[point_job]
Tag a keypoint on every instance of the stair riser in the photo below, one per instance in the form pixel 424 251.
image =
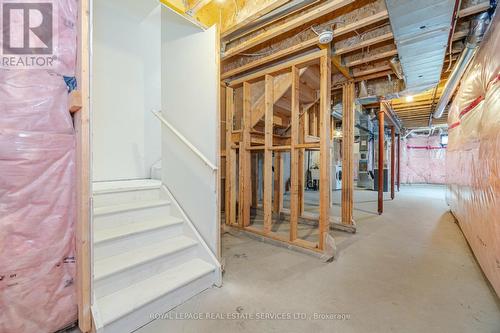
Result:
pixel 130 216
pixel 146 313
pixel 115 282
pixel 117 198
pixel 117 246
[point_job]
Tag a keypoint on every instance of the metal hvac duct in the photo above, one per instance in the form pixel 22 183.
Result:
pixel 477 29
pixel 421 30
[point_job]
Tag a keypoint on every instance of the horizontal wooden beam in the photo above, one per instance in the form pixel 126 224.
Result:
pixel 197 6
pixel 301 61
pixel 371 71
pixel 374 76
pixel 481 7
pixel 268 59
pixel 375 57
pixel 256 15
pixel 366 43
pixel 337 63
pixel 298 21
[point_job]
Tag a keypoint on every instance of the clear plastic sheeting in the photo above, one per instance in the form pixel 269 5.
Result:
pixel 473 161
pixel 423 160
pixel 37 191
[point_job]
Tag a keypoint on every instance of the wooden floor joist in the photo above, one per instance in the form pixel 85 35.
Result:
pixel 319 11
pixel 375 57
pixel 366 43
pixel 481 7
pixel 314 42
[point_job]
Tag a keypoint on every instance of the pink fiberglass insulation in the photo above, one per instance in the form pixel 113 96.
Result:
pixel 423 160
pixel 37 192
pixel 473 161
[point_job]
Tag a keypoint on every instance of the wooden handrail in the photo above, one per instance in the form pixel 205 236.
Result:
pixel 181 137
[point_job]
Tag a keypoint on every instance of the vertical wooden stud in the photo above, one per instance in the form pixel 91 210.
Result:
pixel 294 155
pixel 399 161
pixel 82 132
pixel 245 181
pixel 393 161
pixel 255 179
pixel 348 153
pixel 324 122
pixel 278 182
pixel 230 160
pixel 268 154
pixel 301 162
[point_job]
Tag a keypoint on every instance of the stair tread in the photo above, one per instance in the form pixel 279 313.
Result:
pixel 102 235
pixel 130 206
pixel 125 185
pixel 114 264
pixel 127 300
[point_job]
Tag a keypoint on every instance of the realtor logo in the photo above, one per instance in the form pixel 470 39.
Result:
pixel 27 33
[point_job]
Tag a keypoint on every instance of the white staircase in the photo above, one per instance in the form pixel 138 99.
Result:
pixel 147 257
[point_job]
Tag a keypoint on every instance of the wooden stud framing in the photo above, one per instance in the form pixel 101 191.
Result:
pixel 296 143
pixel 294 155
pixel 82 131
pixel 255 180
pixel 381 139
pixel 278 183
pixel 230 161
pixel 245 186
pixel 324 115
pixel 393 161
pixel 348 153
pixel 268 154
pixel 399 161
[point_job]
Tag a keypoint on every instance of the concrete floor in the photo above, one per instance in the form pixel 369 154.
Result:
pixel 409 270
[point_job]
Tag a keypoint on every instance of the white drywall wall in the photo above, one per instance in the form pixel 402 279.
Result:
pixel 126 85
pixel 190 103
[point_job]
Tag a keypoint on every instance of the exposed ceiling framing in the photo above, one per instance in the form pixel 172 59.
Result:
pixel 362 47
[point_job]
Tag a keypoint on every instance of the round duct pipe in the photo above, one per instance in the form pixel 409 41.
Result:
pixel 477 29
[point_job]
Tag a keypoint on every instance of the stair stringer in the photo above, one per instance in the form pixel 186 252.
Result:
pixel 191 231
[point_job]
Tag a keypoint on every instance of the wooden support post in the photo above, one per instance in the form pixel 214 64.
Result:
pixel 245 182
pixel 381 139
pixel 306 121
pixel 230 160
pixel 348 153
pixel 324 121
pixel 255 180
pixel 278 182
pixel 301 172
pixel 393 161
pixel 294 155
pixel 399 161
pixel 82 134
pixel 268 154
